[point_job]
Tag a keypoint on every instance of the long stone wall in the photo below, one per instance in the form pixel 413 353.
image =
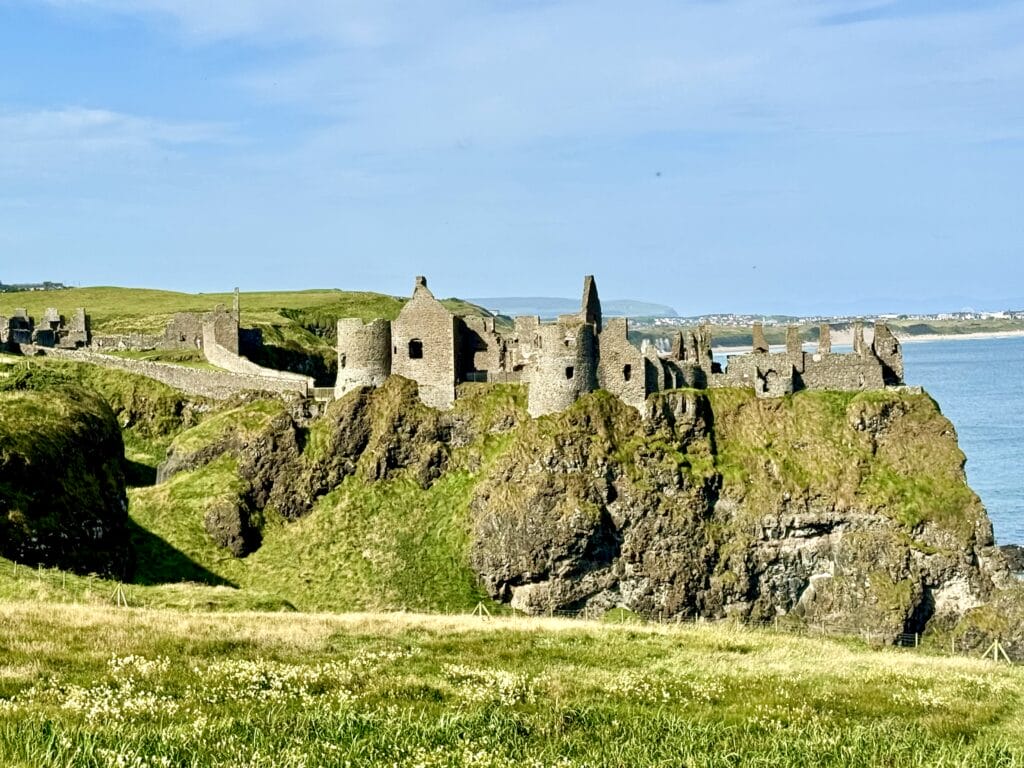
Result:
pixel 218 385
pixel 136 341
pixel 218 355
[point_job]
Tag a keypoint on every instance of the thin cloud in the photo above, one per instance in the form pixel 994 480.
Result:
pixel 58 139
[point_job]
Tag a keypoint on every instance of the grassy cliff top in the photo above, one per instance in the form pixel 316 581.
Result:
pixel 145 310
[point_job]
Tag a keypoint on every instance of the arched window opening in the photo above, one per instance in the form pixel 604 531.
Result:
pixel 415 349
pixel 627 372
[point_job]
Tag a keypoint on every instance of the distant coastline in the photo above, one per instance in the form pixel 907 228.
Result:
pixel 842 338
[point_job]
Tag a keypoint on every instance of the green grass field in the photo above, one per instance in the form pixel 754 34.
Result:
pixel 91 686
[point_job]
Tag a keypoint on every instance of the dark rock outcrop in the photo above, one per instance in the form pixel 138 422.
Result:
pixel 62 489
pixel 1014 554
pixel 847 509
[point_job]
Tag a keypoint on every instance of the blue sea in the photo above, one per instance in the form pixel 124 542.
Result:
pixel 979 384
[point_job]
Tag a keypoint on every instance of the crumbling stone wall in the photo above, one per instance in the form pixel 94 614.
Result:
pixel 364 354
pixel 125 341
pixel 760 345
pixel 185 331
pixel 590 305
pixel 224 358
pixel 867 367
pixel 218 385
pixel 53 329
pixel 224 327
pixel 424 345
pixel 621 367
pixel 483 354
pixel 887 349
pixel 564 367
pixel 76 331
pixel 842 372
pixel 825 339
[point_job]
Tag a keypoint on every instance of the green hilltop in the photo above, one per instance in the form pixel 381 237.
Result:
pixel 145 310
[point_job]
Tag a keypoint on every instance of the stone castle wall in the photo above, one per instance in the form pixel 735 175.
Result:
pixel 364 354
pixel 622 367
pixel 424 345
pixel 565 367
pixel 222 357
pixel 483 352
pixel 185 331
pixel 842 372
pixel 217 385
pixel 563 360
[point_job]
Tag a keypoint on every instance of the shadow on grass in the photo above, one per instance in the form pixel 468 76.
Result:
pixel 157 562
pixel 138 475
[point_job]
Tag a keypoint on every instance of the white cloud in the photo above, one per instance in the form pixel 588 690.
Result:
pixel 46 140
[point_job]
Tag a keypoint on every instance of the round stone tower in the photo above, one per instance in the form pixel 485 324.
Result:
pixel 562 368
pixel 364 354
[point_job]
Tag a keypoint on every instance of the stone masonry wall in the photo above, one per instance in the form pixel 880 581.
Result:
pixel 621 367
pixel 139 341
pixel 565 368
pixel 842 372
pixel 224 358
pixel 218 385
pixel 888 350
pixel 185 331
pixel 364 354
pixel 424 344
pixel 482 352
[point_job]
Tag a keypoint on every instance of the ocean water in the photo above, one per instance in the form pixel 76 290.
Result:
pixel 979 385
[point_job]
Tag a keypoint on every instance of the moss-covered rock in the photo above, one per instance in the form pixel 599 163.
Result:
pixel 838 507
pixel 62 488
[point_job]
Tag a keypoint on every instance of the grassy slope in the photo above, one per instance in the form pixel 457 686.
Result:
pixel 131 687
pixel 366 545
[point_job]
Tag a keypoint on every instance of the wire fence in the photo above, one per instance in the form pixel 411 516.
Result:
pixel 92 589
pixel 996 650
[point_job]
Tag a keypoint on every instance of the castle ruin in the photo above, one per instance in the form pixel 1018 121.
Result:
pixel 558 361
pixel 579 353
pixel 54 330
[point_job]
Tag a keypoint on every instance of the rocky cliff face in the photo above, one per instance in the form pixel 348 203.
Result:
pixel 62 491
pixel 847 508
pixel 851 509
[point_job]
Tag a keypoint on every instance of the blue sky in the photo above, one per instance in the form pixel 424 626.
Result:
pixel 722 155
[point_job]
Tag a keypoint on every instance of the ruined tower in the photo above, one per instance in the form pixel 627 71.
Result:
pixel 364 354
pixel 760 345
pixel 590 306
pixel 825 339
pixel 563 368
pixel 889 352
